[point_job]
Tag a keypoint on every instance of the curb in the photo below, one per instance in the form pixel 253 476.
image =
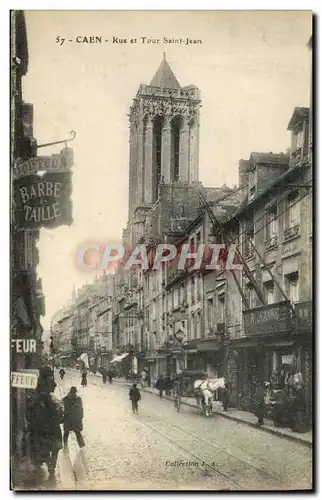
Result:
pixel 264 428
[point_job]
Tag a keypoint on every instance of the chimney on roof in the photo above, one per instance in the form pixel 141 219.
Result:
pixel 243 172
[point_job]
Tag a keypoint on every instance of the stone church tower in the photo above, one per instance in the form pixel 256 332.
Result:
pixel 164 142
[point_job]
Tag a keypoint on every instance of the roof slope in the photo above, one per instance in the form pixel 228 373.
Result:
pixel 299 114
pixel 270 158
pixel 164 77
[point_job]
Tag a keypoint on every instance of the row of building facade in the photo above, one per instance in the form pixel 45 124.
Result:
pixel 244 325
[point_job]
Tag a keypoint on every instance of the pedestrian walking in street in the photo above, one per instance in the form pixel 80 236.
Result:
pixel 62 373
pixel 104 375
pixel 135 397
pixel 84 379
pixel 110 376
pixel 160 385
pixel 44 416
pixel 177 389
pixel 73 417
pixel 168 385
pixel 260 402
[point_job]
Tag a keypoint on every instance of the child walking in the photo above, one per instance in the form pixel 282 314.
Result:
pixel 135 397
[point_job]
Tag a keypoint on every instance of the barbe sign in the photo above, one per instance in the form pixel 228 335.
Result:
pixel 44 201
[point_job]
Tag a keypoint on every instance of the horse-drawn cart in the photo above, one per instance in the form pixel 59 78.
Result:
pixel 205 393
pixel 188 378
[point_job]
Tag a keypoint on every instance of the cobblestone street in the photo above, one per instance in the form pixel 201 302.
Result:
pixel 160 449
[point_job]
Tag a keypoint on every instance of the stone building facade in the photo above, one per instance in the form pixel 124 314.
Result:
pixel 275 238
pixel 27 299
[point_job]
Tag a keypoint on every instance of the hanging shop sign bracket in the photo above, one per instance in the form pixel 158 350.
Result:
pixel 72 133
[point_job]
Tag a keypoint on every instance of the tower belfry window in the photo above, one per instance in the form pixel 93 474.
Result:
pixel 158 123
pixel 175 160
pixel 176 154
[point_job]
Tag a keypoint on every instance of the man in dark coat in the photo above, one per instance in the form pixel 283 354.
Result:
pixel 73 416
pixel 84 379
pixel 260 402
pixel 44 416
pixel 225 396
pixel 135 397
pixel 160 385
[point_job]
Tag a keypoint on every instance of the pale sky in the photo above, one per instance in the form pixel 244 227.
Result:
pixel 252 68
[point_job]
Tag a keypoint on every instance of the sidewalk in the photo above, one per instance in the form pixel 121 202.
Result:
pixel 243 417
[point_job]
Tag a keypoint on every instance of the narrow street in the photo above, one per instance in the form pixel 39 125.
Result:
pixel 160 449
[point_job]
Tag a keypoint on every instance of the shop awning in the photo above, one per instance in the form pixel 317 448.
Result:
pixel 208 345
pixel 265 341
pixel 119 358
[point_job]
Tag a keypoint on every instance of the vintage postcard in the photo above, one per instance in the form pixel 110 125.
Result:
pixel 161 250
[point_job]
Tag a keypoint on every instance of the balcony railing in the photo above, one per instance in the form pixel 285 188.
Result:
pixel 271 243
pixel 291 232
pixel 274 318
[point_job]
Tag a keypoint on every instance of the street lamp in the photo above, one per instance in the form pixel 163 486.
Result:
pixel 180 335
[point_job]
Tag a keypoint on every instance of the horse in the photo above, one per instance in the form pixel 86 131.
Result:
pixel 205 393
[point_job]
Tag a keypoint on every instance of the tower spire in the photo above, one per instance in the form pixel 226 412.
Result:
pixel 164 77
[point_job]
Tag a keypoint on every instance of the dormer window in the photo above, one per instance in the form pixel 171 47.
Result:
pixel 299 139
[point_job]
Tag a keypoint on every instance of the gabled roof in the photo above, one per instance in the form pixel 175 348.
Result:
pixel 278 159
pixel 299 114
pixel 164 77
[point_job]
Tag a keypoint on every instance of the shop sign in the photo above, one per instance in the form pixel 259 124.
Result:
pixel 42 191
pixel 50 164
pixel 303 311
pixel 270 319
pixel 287 359
pixel 43 201
pixel 25 379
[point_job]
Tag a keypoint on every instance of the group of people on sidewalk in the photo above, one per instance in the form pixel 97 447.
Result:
pixel 289 402
pixel 45 414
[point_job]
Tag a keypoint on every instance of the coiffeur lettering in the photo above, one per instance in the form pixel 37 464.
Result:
pixel 41 190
